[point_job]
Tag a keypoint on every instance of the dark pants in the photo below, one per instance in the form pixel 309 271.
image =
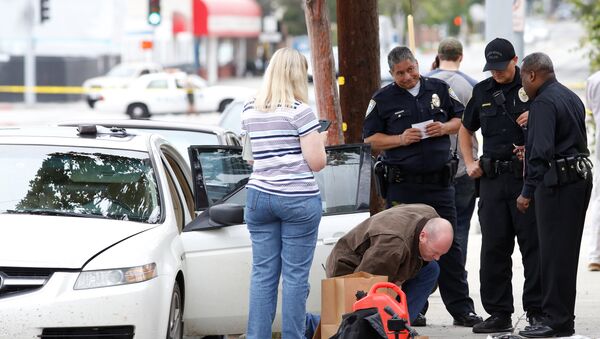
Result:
pixel 419 287
pixel 500 223
pixel 465 205
pixel 454 288
pixel 561 214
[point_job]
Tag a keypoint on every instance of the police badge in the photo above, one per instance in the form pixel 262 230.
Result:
pixel 372 104
pixel 523 95
pixel 435 101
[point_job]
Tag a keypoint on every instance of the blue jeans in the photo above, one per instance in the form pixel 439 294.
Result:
pixel 418 288
pixel 284 233
pixel 465 205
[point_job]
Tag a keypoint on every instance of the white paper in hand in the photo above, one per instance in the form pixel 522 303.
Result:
pixel 421 126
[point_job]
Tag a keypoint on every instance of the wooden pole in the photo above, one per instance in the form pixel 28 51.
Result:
pixel 319 33
pixel 359 61
pixel 411 33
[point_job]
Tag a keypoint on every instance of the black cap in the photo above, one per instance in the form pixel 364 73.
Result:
pixel 498 53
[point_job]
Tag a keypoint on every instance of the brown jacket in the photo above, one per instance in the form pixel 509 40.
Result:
pixel 385 244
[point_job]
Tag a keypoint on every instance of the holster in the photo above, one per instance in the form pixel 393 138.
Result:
pixel 487 167
pixel 381 181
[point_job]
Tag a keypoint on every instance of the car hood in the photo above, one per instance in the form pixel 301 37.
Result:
pixel 59 242
pixel 107 82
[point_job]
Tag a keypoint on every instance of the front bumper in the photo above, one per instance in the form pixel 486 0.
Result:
pixel 143 305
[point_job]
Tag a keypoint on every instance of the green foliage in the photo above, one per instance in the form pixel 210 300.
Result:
pixel 588 12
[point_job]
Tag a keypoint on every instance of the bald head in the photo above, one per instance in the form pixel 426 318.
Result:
pixel 435 239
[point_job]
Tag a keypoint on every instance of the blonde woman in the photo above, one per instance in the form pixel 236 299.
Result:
pixel 283 207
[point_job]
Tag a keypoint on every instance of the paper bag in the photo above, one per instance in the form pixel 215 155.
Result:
pixel 339 294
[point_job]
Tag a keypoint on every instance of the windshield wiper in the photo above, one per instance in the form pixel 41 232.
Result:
pixel 38 211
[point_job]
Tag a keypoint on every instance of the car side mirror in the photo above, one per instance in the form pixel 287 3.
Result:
pixel 226 214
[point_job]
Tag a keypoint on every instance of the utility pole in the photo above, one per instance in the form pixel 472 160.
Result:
pixel 358 47
pixel 359 55
pixel 317 23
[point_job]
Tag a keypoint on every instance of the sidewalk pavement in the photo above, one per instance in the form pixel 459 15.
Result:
pixel 587 321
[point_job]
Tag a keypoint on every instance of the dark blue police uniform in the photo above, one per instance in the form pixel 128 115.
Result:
pixel 559 173
pixel 419 172
pixel 499 188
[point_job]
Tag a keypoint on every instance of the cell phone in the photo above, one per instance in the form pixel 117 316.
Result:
pixel 324 125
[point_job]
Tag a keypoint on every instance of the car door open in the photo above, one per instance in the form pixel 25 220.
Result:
pixel 217 244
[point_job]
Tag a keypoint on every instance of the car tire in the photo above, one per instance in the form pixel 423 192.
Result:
pixel 175 325
pixel 224 104
pixel 138 111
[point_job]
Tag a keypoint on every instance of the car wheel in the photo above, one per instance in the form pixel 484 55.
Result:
pixel 224 104
pixel 175 329
pixel 138 111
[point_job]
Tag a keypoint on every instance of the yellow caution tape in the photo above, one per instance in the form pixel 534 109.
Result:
pixel 44 89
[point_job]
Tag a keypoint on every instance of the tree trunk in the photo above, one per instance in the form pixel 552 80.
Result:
pixel 323 67
pixel 358 47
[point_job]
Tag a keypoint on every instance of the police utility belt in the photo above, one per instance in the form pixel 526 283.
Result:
pixel 493 168
pixel 444 177
pixel 567 170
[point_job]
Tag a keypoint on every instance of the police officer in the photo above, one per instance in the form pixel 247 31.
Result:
pixel 559 173
pixel 499 106
pixel 410 120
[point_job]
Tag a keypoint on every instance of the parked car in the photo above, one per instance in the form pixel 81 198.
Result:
pixel 168 93
pixel 118 77
pixel 100 235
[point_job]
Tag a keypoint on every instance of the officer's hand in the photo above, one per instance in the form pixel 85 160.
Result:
pixel 522 203
pixel 410 136
pixel 522 119
pixel 473 169
pixel 519 151
pixel 435 129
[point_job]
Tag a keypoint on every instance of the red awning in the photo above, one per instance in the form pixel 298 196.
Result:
pixel 226 18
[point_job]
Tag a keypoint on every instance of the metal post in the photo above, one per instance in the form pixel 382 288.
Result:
pixel 499 23
pixel 29 62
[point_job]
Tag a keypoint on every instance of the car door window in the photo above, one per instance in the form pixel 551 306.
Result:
pixel 158 84
pixel 220 175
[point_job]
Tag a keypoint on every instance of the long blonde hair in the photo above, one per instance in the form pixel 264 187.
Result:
pixel 284 82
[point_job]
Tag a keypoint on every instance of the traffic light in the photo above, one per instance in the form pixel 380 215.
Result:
pixel 44 10
pixel 457 20
pixel 154 17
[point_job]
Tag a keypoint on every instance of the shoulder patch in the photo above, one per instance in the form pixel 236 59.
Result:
pixel 523 95
pixel 452 94
pixel 372 104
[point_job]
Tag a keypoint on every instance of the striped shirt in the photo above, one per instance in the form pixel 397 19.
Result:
pixel 279 166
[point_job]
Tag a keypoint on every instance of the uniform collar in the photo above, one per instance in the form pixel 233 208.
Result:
pixel 492 84
pixel 426 85
pixel 545 85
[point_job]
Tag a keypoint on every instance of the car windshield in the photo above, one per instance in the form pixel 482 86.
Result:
pixel 122 71
pixel 81 182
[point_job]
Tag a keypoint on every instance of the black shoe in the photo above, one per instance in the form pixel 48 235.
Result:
pixel 494 324
pixel 535 320
pixel 467 319
pixel 544 331
pixel 420 321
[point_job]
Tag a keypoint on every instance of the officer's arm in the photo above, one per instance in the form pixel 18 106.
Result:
pixel 465 141
pixel 382 141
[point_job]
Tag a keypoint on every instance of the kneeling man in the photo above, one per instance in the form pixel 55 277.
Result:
pixel 402 242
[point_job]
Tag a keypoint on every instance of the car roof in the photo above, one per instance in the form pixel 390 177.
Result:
pixel 155 124
pixel 69 136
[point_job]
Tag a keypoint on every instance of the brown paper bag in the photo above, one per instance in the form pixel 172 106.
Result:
pixel 339 294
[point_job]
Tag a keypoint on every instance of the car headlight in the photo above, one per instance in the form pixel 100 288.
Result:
pixel 114 277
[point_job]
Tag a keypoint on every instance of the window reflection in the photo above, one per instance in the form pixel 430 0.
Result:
pixel 82 182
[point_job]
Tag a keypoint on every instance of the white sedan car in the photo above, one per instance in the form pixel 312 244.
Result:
pixel 107 233
pixel 118 77
pixel 169 93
